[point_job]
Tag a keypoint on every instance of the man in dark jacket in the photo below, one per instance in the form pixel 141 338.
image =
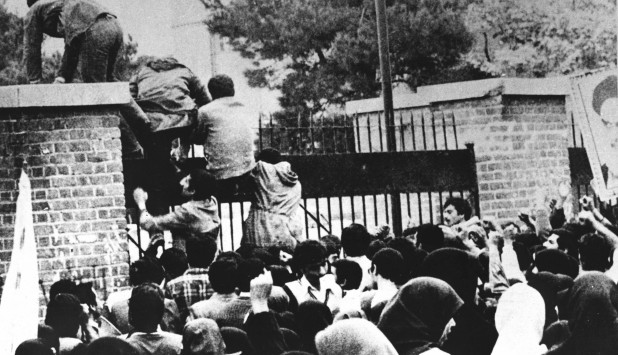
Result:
pixel 92 36
pixel 170 94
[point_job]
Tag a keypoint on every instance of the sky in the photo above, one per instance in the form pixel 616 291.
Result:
pixel 172 27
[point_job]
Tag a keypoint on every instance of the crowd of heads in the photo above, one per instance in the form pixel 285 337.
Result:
pixel 448 288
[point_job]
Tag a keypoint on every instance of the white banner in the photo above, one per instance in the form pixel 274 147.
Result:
pixel 19 307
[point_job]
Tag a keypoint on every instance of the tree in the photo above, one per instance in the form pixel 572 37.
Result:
pixel 546 37
pixel 324 52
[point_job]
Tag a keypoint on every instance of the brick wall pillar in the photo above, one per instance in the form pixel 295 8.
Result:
pixel 68 135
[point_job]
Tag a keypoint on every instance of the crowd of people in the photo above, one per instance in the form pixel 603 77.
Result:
pixel 469 286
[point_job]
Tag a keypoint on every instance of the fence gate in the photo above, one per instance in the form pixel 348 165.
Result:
pixel 347 176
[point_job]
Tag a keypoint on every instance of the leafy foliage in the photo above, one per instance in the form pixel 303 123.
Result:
pixel 546 37
pixel 322 52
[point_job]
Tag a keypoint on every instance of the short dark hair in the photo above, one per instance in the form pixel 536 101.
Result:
pixel 223 276
pixel 461 206
pixel 31 2
pixel 201 251
pixel 332 244
pixel 146 269
pixel 62 286
pixel 33 346
pixel 49 337
pixel 389 264
pixel 269 155
pixel 594 252
pixel 110 346
pixel 63 314
pixel 349 271
pixel 248 269
pixel 202 183
pixel 221 86
pixel 374 247
pixel 355 240
pixel 174 262
pixel 412 257
pixel 430 237
pixel 146 307
pixel 308 252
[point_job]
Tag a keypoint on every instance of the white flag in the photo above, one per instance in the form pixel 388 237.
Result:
pixel 19 307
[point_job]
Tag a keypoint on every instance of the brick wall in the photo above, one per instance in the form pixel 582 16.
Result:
pixel 73 157
pixel 520 129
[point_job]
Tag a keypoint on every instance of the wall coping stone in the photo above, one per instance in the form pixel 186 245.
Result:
pixel 426 95
pixel 58 95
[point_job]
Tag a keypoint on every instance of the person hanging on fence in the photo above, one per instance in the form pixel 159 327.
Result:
pixel 170 94
pixel 197 218
pixel 274 218
pixel 225 128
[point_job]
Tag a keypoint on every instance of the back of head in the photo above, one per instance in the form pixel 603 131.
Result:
pixel 62 286
pixel 457 268
pixel 146 269
pixel 595 252
pixel 63 315
pixel 110 346
pixel 221 86
pixel 332 244
pixel 412 257
pixel 557 262
pixel 374 247
pixel 248 269
pixel 223 276
pixel 429 237
pixel 389 264
pixel 201 251
pixel 236 340
pixel 353 336
pixel 349 274
pixel 174 262
pixel 202 336
pixel 202 183
pixel 49 337
pixel 33 347
pixel 146 307
pixel 311 317
pixel 269 155
pixel 308 252
pixel 355 240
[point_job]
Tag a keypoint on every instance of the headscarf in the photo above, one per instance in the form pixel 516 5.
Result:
pixel 236 340
pixel 520 320
pixel 457 268
pixel 557 262
pixel 549 285
pixel 202 337
pixel 33 347
pixel 591 307
pixel 353 336
pixel 311 317
pixel 415 318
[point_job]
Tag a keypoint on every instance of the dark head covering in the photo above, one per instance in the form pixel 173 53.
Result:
pixel 292 340
pixel 49 337
pixel 556 262
pixel 311 317
pixel 110 346
pixel 415 319
pixel 458 268
pixel 202 337
pixel 591 307
pixel 33 347
pixel 236 340
pixel 549 285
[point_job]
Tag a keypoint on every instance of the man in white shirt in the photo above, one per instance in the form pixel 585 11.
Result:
pixel 310 259
pixel 355 241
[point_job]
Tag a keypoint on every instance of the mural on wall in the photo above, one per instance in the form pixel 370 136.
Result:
pixel 595 99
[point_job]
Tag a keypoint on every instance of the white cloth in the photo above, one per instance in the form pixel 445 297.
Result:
pixel 329 293
pixel 520 318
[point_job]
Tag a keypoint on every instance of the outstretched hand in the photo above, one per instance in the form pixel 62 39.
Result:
pixel 140 196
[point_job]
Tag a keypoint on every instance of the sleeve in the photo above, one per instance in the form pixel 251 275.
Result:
pixel 264 333
pixel 198 91
pixel 70 59
pixel 172 220
pixel 498 282
pixel 33 38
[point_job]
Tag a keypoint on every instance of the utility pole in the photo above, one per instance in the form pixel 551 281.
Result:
pixel 387 96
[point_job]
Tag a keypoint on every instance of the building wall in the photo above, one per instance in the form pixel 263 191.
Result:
pixel 73 157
